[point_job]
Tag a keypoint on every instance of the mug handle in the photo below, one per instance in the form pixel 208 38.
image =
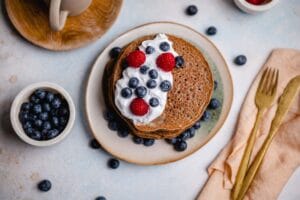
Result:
pixel 57 17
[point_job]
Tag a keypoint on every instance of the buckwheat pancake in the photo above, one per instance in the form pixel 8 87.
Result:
pixel 190 94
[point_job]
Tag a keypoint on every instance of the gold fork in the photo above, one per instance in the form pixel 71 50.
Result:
pixel 264 98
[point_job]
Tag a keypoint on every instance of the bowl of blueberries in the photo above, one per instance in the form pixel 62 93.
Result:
pixel 42 114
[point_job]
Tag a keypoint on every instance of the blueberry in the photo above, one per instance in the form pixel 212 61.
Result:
pixel 113 163
pixel 46 107
pixel 211 30
pixel 192 132
pixel 33 99
pixel 153 74
pixel 38 123
pixel 54 112
pixel 113 125
pixel 100 198
pixel 148 142
pixel 52 134
pixel 150 50
pixel 180 146
pixel 154 102
pixel 205 116
pixel 27 124
pixel 56 103
pixel 179 61
pixel 46 125
pixel 126 92
pixel 240 60
pixel 29 131
pixel 144 69
pixel 197 125
pixel 114 52
pixel 108 115
pixel 55 121
pixel 63 121
pixel 191 10
pixel 49 97
pixel 137 140
pixel 140 91
pixel 214 103
pixel 171 140
pixel 151 84
pixel 94 144
pixel 185 135
pixel 43 116
pixel 164 46
pixel 40 93
pixel 36 135
pixel 215 85
pixel 63 111
pixel 44 185
pixel 37 108
pixel 26 106
pixel 24 116
pixel 123 133
pixel 133 82
pixel 165 86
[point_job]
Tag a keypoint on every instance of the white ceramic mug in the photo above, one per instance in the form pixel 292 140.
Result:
pixel 59 10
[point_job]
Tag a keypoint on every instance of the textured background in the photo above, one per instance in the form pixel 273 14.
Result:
pixel 79 172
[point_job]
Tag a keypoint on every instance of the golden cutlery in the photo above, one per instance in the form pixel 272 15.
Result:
pixel 284 104
pixel 264 98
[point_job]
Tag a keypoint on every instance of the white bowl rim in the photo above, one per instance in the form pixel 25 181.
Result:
pixel 258 8
pixel 15 109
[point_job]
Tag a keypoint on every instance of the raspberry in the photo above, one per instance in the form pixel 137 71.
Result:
pixel 139 107
pixel 166 62
pixel 136 59
pixel 255 2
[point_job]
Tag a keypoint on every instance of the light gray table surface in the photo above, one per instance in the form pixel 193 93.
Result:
pixel 79 172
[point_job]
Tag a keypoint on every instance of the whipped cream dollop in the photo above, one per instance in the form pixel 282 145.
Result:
pixel 123 104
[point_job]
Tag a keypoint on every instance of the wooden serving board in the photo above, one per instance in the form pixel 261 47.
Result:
pixel 31 19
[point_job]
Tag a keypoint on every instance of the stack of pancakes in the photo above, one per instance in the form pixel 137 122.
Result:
pixel 187 100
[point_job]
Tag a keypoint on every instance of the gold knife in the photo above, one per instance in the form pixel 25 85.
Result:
pixel 284 104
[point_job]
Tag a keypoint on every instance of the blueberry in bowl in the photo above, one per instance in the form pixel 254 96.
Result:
pixel 42 114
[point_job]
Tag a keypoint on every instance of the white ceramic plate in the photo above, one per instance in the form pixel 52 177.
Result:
pixel 160 152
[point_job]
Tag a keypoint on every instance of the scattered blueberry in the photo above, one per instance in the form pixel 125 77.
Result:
pixel 40 93
pixel 123 133
pixel 197 125
pixel 100 198
pixel 44 185
pixel 94 144
pixel 126 92
pixel 211 30
pixel 46 125
pixel 215 85
pixel 240 60
pixel 192 132
pixel 165 86
pixel 185 135
pixel 153 74
pixel 113 163
pixel 148 142
pixel 144 69
pixel 43 116
pixel 49 97
pixel 38 123
pixel 179 61
pixel 137 140
pixel 26 106
pixel 114 52
pixel 37 108
pixel 164 46
pixel 180 146
pixel 214 103
pixel 140 91
pixel 113 125
pixel 108 115
pixel 151 84
pixel 191 10
pixel 205 116
pixel 52 134
pixel 56 103
pixel 133 82
pixel 154 102
pixel 150 50
pixel 171 140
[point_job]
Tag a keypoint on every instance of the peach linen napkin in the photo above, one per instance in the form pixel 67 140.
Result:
pixel 283 156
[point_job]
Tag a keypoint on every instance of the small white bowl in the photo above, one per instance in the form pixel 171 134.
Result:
pixel 23 96
pixel 254 9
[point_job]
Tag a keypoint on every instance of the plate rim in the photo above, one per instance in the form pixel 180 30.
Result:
pixel 211 133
